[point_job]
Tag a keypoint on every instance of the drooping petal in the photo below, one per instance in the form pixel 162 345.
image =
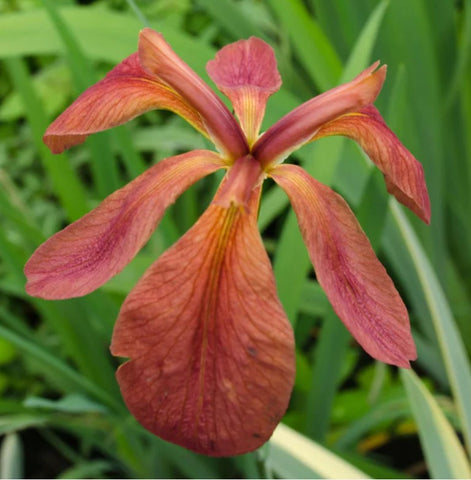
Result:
pixel 403 174
pixel 87 253
pixel 246 72
pixel 211 352
pixel 298 127
pixel 157 57
pixel 357 285
pixel 126 92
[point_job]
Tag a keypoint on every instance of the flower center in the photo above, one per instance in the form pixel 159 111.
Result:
pixel 242 177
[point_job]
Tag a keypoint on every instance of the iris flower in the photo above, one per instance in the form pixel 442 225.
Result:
pixel 210 350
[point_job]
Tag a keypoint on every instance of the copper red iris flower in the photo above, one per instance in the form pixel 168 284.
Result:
pixel 211 352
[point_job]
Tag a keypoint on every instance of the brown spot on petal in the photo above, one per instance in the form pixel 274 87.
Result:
pixel 252 351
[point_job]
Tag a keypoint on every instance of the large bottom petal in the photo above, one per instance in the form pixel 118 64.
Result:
pixel 211 351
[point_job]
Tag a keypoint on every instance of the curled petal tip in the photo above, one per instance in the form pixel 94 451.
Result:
pixel 403 174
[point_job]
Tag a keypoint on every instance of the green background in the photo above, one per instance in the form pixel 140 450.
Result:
pixel 61 414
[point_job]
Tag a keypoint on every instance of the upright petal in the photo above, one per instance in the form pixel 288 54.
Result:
pixel 158 58
pixel 403 174
pixel 211 352
pixel 298 127
pixel 126 92
pixel 87 253
pixel 246 72
pixel 357 285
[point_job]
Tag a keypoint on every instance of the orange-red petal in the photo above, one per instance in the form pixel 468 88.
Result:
pixel 87 253
pixel 246 72
pixel 158 58
pixel 126 92
pixel 298 127
pixel 357 285
pixel 403 174
pixel 211 351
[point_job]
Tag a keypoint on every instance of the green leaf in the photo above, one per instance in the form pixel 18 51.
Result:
pixel 64 179
pixel 90 469
pixel 231 18
pixel 463 56
pixel 59 367
pixel 328 363
pixel 72 403
pixel 292 455
pixel 444 453
pixel 451 345
pixel 363 48
pixel 11 457
pixel 103 165
pixel 13 423
pixel 311 44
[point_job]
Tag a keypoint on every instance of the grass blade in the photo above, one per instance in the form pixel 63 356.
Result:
pixel 294 456
pixel 65 182
pixel 451 345
pixel 328 363
pixel 311 44
pixel 50 362
pixel 361 53
pixel 11 457
pixel 103 166
pixel 444 453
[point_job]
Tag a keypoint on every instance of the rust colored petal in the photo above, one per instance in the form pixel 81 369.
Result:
pixel 158 58
pixel 126 92
pixel 246 72
pixel 357 285
pixel 211 351
pixel 403 174
pixel 87 253
pixel 298 127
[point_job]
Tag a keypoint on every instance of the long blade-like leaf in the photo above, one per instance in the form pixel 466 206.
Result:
pixel 451 345
pixel 294 456
pixel 444 453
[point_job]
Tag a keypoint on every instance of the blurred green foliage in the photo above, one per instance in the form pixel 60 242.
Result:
pixel 57 381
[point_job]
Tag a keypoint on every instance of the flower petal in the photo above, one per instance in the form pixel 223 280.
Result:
pixel 158 58
pixel 211 352
pixel 298 127
pixel 87 253
pixel 246 72
pixel 126 92
pixel 357 285
pixel 403 174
